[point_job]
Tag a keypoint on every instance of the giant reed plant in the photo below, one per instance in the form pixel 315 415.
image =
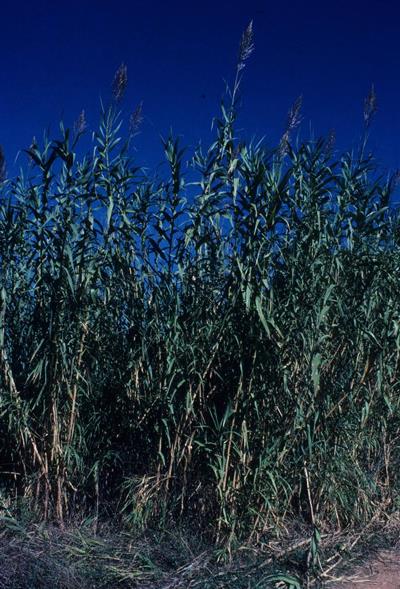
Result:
pixel 224 350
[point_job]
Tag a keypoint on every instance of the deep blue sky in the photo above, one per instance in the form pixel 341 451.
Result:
pixel 60 57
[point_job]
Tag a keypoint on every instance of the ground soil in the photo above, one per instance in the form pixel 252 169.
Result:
pixel 382 571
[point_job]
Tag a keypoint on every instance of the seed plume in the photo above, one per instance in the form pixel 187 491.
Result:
pixel 370 106
pixel 80 123
pixel 2 165
pixel 136 119
pixel 120 82
pixel 330 141
pixel 293 121
pixel 246 47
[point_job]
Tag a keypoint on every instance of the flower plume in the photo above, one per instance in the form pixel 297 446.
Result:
pixel 370 106
pixel 2 165
pixel 246 47
pixel 136 119
pixel 120 82
pixel 330 142
pixel 293 121
pixel 80 123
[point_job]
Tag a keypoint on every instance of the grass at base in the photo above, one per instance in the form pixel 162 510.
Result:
pixel 39 556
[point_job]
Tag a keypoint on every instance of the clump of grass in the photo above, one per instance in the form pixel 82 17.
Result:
pixel 223 352
pixel 76 558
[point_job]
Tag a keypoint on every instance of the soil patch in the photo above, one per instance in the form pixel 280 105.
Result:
pixel 382 571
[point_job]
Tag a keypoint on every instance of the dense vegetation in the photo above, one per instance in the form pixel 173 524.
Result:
pixel 222 351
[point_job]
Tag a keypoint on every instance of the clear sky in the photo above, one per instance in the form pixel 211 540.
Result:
pixel 59 57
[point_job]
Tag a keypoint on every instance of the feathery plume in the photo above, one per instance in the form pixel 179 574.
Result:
pixel 136 119
pixel 370 106
pixel 395 180
pixel 80 123
pixel 330 142
pixel 293 121
pixel 2 165
pixel 120 82
pixel 294 116
pixel 283 145
pixel 32 146
pixel 246 47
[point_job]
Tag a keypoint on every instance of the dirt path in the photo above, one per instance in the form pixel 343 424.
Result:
pixel 381 572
